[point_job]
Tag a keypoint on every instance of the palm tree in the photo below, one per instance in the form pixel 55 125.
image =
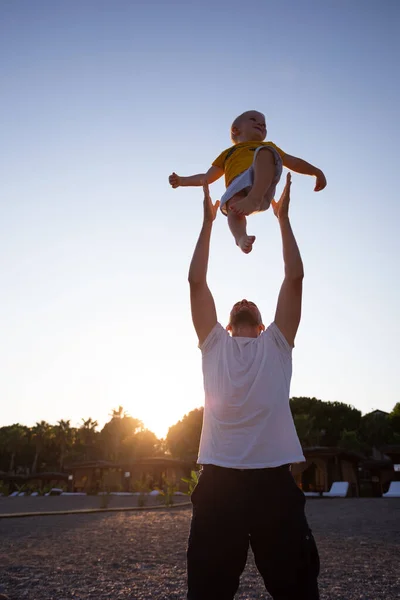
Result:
pixel 87 435
pixel 41 433
pixel 118 413
pixel 15 439
pixel 63 434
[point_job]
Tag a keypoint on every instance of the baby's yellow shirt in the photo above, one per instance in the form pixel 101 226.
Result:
pixel 239 158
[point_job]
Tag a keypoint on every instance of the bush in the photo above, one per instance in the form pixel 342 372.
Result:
pixel 192 481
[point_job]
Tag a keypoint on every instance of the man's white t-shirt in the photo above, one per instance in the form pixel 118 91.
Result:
pixel 247 420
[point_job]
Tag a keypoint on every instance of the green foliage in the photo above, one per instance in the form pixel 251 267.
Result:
pixel 183 438
pixel 396 439
pixel 64 437
pixel 168 490
pixel 306 429
pixel 143 486
pixel 325 420
pixel 13 440
pixel 42 434
pixel 396 410
pixel 350 441
pixel 124 438
pixel 394 419
pixel 376 430
pixel 47 447
pixel 192 481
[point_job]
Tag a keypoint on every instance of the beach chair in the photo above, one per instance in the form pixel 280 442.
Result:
pixel 54 492
pixel 35 494
pixel 13 495
pixel 338 489
pixel 393 491
pixel 312 494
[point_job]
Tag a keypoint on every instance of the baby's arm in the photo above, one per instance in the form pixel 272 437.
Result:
pixel 301 166
pixel 212 175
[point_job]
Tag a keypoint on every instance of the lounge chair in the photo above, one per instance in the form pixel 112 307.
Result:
pixel 338 489
pixel 54 492
pixel 312 494
pixel 393 491
pixel 13 495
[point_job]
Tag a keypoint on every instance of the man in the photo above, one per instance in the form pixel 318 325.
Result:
pixel 246 494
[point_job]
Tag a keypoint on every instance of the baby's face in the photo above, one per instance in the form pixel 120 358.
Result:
pixel 252 127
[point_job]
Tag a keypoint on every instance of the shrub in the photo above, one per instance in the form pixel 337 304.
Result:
pixel 192 481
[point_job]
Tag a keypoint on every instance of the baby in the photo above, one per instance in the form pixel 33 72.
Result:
pixel 252 169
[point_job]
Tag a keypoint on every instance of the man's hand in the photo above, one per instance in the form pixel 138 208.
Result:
pixel 281 208
pixel 320 182
pixel 210 209
pixel 174 180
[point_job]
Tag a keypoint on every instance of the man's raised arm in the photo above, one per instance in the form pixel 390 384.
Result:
pixel 288 310
pixel 202 303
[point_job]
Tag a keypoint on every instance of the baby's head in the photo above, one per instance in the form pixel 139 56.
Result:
pixel 248 127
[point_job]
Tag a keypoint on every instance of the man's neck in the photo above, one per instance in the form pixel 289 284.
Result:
pixel 245 331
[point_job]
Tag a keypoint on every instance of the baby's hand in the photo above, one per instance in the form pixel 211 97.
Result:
pixel 320 182
pixel 175 180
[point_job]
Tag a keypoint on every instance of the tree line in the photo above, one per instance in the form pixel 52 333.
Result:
pixel 47 447
pixel 317 423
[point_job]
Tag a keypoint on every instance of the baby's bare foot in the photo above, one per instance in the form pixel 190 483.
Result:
pixel 247 205
pixel 246 242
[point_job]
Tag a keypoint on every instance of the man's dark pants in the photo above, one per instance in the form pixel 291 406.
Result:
pixel 233 508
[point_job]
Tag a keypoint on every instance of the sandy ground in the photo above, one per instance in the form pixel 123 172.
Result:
pixel 141 555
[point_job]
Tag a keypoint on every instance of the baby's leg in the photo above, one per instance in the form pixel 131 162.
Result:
pixel 238 226
pixel 264 172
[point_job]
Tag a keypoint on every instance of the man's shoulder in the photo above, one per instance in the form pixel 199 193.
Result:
pixel 275 338
pixel 216 335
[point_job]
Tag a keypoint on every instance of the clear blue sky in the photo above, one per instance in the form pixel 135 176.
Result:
pixel 100 102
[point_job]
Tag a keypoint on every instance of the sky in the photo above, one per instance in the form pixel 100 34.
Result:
pixel 100 101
